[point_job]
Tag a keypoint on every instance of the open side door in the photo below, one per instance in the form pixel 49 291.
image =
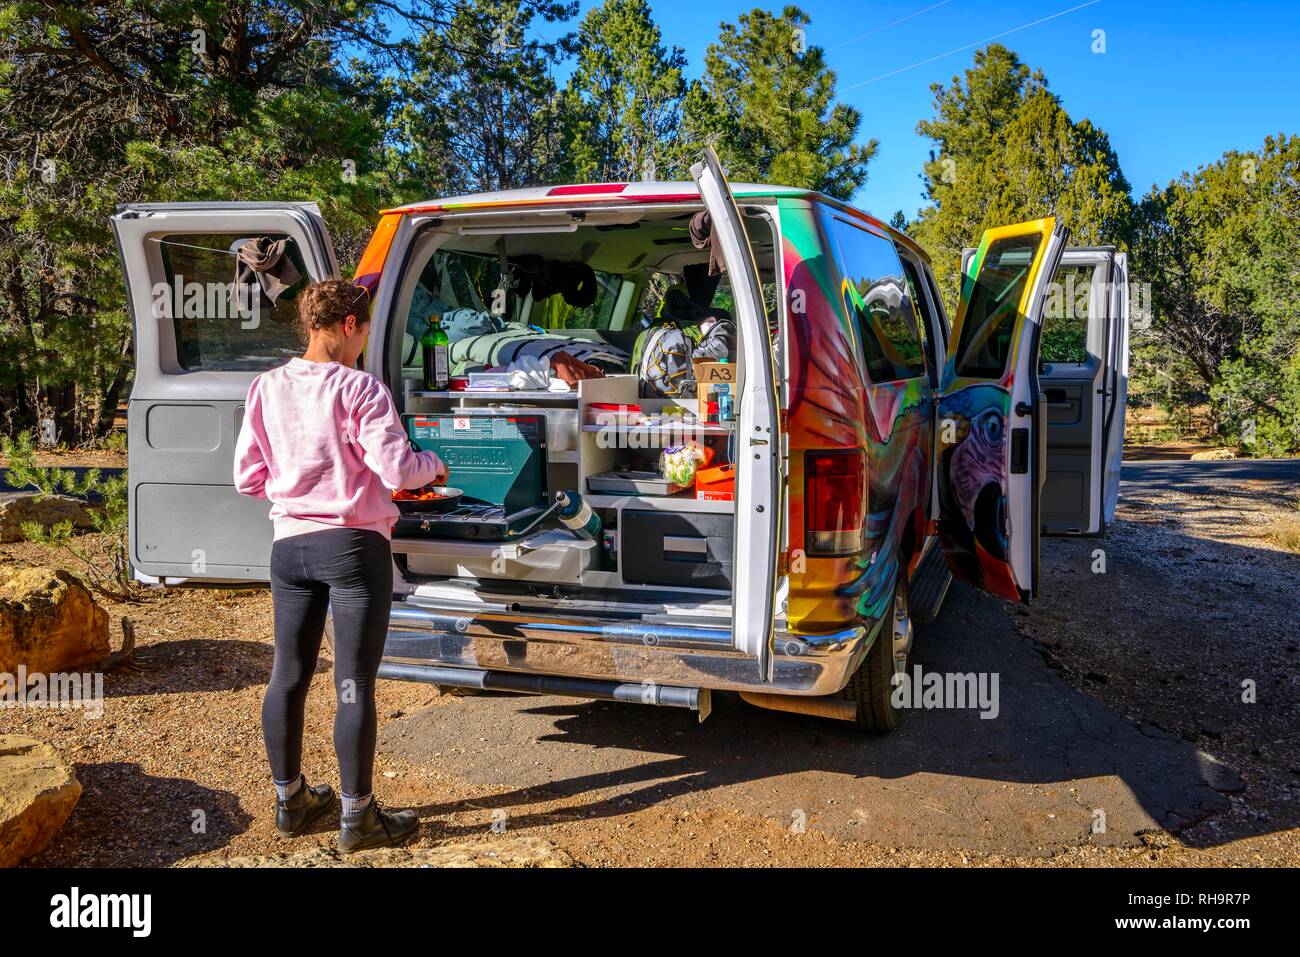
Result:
pixel 758 441
pixel 1083 375
pixel 199 342
pixel 991 434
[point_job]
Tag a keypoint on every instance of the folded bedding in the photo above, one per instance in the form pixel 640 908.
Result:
pixel 518 341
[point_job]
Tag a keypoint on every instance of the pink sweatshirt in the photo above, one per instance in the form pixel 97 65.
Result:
pixel 325 445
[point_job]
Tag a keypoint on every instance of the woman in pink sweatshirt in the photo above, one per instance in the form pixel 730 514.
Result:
pixel 323 442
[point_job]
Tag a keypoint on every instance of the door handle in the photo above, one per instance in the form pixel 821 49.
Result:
pixel 1024 409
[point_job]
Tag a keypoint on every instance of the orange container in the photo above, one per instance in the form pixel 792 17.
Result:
pixel 717 484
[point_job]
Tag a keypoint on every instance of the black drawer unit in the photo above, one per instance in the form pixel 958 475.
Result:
pixel 689 549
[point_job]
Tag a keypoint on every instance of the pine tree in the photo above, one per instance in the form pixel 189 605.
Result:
pixel 767 103
pixel 1005 151
pixel 482 107
pixel 624 99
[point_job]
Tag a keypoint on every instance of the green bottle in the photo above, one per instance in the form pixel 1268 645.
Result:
pixel 435 344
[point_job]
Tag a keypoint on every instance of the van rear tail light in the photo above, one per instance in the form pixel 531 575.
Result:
pixel 835 501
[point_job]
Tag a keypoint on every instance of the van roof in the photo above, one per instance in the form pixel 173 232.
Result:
pixel 614 194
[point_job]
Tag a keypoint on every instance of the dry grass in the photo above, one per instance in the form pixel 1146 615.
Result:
pixel 1286 530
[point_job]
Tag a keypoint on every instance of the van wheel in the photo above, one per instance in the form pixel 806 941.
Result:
pixel 871 685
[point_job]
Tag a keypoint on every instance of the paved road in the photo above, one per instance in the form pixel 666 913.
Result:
pixel 1192 475
pixel 1025 783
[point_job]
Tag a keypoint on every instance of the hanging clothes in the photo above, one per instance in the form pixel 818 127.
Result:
pixel 701 231
pixel 575 282
pixel 262 261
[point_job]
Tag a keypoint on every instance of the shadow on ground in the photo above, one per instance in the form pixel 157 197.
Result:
pixel 1054 768
pixel 186 818
pixel 194 665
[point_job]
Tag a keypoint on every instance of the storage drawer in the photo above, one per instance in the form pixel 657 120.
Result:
pixel 688 549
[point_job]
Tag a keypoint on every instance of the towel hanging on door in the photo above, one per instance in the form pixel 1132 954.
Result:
pixel 263 261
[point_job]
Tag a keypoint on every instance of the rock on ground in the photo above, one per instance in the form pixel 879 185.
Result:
pixel 1214 455
pixel 515 852
pixel 37 793
pixel 47 511
pixel 49 621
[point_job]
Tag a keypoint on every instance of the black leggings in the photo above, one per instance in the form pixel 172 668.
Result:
pixel 350 570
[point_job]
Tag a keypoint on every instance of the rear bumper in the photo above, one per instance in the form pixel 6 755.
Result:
pixel 695 655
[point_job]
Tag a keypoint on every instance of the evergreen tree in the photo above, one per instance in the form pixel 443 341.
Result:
pixel 1218 247
pixel 482 109
pixel 1005 151
pixel 624 99
pixel 767 103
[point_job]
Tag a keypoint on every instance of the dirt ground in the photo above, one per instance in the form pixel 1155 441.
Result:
pixel 61 458
pixel 1199 637
pixel 1194 601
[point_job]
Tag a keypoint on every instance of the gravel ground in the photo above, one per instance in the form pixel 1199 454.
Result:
pixel 1195 611
pixel 1193 602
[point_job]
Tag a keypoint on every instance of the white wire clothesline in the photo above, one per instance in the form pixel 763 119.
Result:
pixel 207 249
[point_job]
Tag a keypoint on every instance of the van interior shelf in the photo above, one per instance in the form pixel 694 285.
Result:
pixel 533 395
pixel 682 502
pixel 706 428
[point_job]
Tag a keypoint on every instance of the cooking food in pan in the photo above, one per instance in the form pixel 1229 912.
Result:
pixel 431 498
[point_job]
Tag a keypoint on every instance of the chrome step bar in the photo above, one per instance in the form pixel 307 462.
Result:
pixel 407 616
pixel 624 658
pixel 694 699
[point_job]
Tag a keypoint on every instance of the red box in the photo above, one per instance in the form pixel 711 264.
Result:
pixel 717 484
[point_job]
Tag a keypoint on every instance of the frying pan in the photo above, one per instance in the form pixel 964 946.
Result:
pixel 450 496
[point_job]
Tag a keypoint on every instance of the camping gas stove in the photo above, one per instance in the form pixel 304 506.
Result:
pixel 498 461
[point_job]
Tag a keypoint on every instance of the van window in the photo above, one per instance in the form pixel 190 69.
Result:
pixel 877 295
pixel 994 303
pixel 453 280
pixel 211 333
pixel 925 322
pixel 1065 315
pixel 652 295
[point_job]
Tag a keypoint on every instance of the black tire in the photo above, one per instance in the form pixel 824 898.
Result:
pixel 871 686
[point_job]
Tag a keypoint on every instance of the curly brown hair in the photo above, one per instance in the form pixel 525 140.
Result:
pixel 323 305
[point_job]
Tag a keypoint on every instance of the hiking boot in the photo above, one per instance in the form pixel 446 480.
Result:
pixel 294 816
pixel 375 828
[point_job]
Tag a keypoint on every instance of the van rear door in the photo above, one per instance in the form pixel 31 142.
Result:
pixel 758 441
pixel 198 346
pixel 991 428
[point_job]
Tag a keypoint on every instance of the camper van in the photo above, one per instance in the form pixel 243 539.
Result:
pixel 863 453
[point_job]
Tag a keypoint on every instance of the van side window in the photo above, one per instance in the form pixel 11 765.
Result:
pixel 1065 316
pixel 876 294
pixel 925 322
pixel 994 303
pixel 212 333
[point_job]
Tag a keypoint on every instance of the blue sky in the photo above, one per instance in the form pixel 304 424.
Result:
pixel 1178 85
